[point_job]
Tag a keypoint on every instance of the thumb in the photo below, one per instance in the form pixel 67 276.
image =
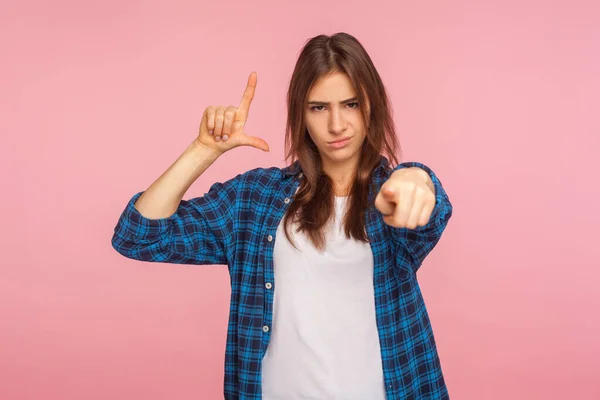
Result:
pixel 255 142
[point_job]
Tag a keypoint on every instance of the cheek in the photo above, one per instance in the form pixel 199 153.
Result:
pixel 311 135
pixel 308 124
pixel 313 130
pixel 359 126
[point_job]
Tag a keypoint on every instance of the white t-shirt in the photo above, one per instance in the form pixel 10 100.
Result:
pixel 324 343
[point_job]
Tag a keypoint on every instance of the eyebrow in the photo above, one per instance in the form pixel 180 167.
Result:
pixel 323 103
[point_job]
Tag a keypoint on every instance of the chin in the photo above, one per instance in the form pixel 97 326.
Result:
pixel 341 155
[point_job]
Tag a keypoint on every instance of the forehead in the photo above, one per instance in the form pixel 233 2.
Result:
pixel 332 87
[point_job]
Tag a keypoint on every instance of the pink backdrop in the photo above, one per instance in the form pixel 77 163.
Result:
pixel 98 98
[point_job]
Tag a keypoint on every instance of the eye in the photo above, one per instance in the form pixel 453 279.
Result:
pixel 316 108
pixel 353 105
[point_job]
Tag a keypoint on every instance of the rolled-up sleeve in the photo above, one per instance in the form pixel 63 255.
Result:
pixel 417 243
pixel 197 233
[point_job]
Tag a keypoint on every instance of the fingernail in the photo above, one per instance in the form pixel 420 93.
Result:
pixel 225 137
pixel 218 138
pixel 210 132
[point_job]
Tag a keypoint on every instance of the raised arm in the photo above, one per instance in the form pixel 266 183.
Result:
pixel 157 225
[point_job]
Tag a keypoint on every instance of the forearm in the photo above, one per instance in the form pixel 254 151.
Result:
pixel 419 242
pixel 162 198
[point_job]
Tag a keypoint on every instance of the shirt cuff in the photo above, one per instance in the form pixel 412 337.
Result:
pixel 133 224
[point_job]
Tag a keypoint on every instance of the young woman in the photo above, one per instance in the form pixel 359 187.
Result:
pixel 323 253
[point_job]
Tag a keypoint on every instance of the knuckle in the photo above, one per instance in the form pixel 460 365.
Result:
pixel 409 185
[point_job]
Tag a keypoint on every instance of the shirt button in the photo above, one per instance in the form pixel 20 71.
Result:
pixel 270 238
pixel 268 285
pixel 265 329
pixel 300 176
pixel 287 200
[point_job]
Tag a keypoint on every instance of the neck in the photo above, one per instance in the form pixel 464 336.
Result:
pixel 342 176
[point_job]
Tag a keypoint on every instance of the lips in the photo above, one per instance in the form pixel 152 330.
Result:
pixel 340 140
pixel 339 144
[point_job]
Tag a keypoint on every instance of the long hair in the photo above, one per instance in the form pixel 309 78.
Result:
pixel 313 204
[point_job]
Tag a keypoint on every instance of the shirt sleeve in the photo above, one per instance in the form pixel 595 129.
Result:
pixel 415 244
pixel 198 232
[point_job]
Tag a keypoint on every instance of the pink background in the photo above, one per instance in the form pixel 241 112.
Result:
pixel 97 99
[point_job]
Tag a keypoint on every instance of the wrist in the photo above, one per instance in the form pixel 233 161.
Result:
pixel 203 151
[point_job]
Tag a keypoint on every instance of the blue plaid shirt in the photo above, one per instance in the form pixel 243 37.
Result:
pixel 235 223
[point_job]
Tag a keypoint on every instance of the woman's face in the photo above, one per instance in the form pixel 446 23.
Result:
pixel 334 121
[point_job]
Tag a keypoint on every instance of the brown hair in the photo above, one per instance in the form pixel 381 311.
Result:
pixel 313 204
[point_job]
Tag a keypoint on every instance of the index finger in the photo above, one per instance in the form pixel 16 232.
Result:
pixel 242 112
pixel 385 202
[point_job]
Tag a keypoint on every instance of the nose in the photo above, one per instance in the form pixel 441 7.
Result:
pixel 337 124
